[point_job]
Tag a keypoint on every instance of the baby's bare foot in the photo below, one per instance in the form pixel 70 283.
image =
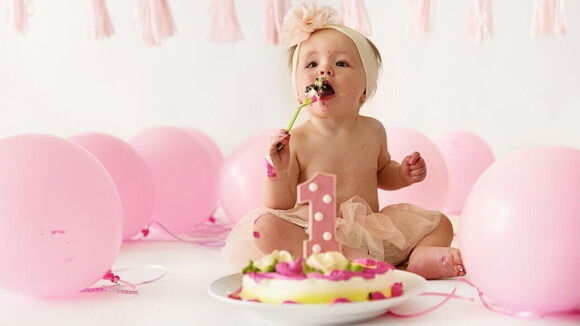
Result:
pixel 436 262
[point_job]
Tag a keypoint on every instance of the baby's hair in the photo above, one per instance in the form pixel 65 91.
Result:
pixel 373 46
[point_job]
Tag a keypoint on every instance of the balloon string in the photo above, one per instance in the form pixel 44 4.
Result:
pixel 428 310
pixel 521 314
pixel 206 235
pixel 452 295
pixel 120 286
pixel 162 274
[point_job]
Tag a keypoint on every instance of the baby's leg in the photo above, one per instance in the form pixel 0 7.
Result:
pixel 352 253
pixel 272 232
pixel 432 258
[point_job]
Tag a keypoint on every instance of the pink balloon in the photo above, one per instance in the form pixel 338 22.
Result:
pixel 519 230
pixel 130 174
pixel 61 221
pixel 466 156
pixel 216 154
pixel 242 175
pixel 431 193
pixel 184 176
pixel 209 143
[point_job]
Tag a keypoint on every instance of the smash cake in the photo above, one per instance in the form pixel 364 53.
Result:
pixel 326 275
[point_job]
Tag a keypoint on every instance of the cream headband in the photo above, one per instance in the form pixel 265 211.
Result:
pixel 306 19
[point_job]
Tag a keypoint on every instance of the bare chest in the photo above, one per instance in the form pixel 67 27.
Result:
pixel 354 164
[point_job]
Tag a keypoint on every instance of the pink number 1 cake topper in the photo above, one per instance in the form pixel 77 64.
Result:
pixel 320 192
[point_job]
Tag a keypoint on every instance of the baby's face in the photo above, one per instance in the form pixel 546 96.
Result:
pixel 334 56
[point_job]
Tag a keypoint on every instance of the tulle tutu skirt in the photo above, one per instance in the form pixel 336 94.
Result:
pixel 387 236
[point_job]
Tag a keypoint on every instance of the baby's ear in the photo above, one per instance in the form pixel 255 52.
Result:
pixel 363 98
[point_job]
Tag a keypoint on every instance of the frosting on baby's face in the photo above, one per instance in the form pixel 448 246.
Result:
pixel 333 56
pixel 320 88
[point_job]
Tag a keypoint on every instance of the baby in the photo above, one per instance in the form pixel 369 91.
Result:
pixel 336 139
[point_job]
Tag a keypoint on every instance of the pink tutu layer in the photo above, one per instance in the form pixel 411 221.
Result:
pixel 387 236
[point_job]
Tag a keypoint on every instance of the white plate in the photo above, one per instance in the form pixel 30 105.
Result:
pixel 318 314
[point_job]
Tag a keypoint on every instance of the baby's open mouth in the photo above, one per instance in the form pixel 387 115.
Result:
pixel 320 88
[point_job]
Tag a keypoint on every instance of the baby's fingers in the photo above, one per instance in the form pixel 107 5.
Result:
pixel 414 158
pixel 407 161
pixel 278 141
pixel 418 172
pixel 419 164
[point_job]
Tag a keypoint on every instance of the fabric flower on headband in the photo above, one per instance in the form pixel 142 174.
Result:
pixel 303 20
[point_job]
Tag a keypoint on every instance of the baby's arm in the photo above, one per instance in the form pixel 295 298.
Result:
pixel 282 174
pixel 389 173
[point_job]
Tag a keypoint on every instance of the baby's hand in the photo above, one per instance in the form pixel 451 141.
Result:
pixel 279 158
pixel 413 168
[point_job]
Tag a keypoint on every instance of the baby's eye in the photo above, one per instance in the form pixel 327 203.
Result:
pixel 341 64
pixel 311 64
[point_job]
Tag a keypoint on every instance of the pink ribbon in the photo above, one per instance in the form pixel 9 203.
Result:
pixel 354 15
pixel 452 295
pixel 521 314
pixel 100 25
pixel 479 23
pixel 18 12
pixel 428 310
pixel 421 13
pixel 274 12
pixel 224 22
pixel 154 21
pixel 210 235
pixel 548 18
pixel 120 286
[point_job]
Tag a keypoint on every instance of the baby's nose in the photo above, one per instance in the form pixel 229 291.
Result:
pixel 325 72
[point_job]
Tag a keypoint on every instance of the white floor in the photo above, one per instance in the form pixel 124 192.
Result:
pixel 181 297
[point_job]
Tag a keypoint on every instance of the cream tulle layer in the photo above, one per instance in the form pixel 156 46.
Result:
pixel 388 236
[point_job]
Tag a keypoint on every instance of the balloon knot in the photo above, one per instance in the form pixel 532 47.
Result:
pixel 111 277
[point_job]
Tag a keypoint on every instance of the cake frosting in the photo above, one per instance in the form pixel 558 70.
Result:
pixel 321 278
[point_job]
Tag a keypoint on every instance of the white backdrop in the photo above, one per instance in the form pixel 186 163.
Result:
pixel 513 90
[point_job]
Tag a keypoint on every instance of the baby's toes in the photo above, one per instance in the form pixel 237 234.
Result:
pixel 458 262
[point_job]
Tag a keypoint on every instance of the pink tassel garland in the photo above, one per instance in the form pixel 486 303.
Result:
pixel 548 18
pixel 479 22
pixel 273 16
pixel 155 21
pixel 18 12
pixel 100 25
pixel 421 15
pixel 354 15
pixel 224 22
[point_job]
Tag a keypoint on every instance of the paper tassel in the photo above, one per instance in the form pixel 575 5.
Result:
pixel 18 12
pixel 479 23
pixel 100 25
pixel 224 22
pixel 273 16
pixel 354 15
pixel 421 15
pixel 548 18
pixel 154 21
